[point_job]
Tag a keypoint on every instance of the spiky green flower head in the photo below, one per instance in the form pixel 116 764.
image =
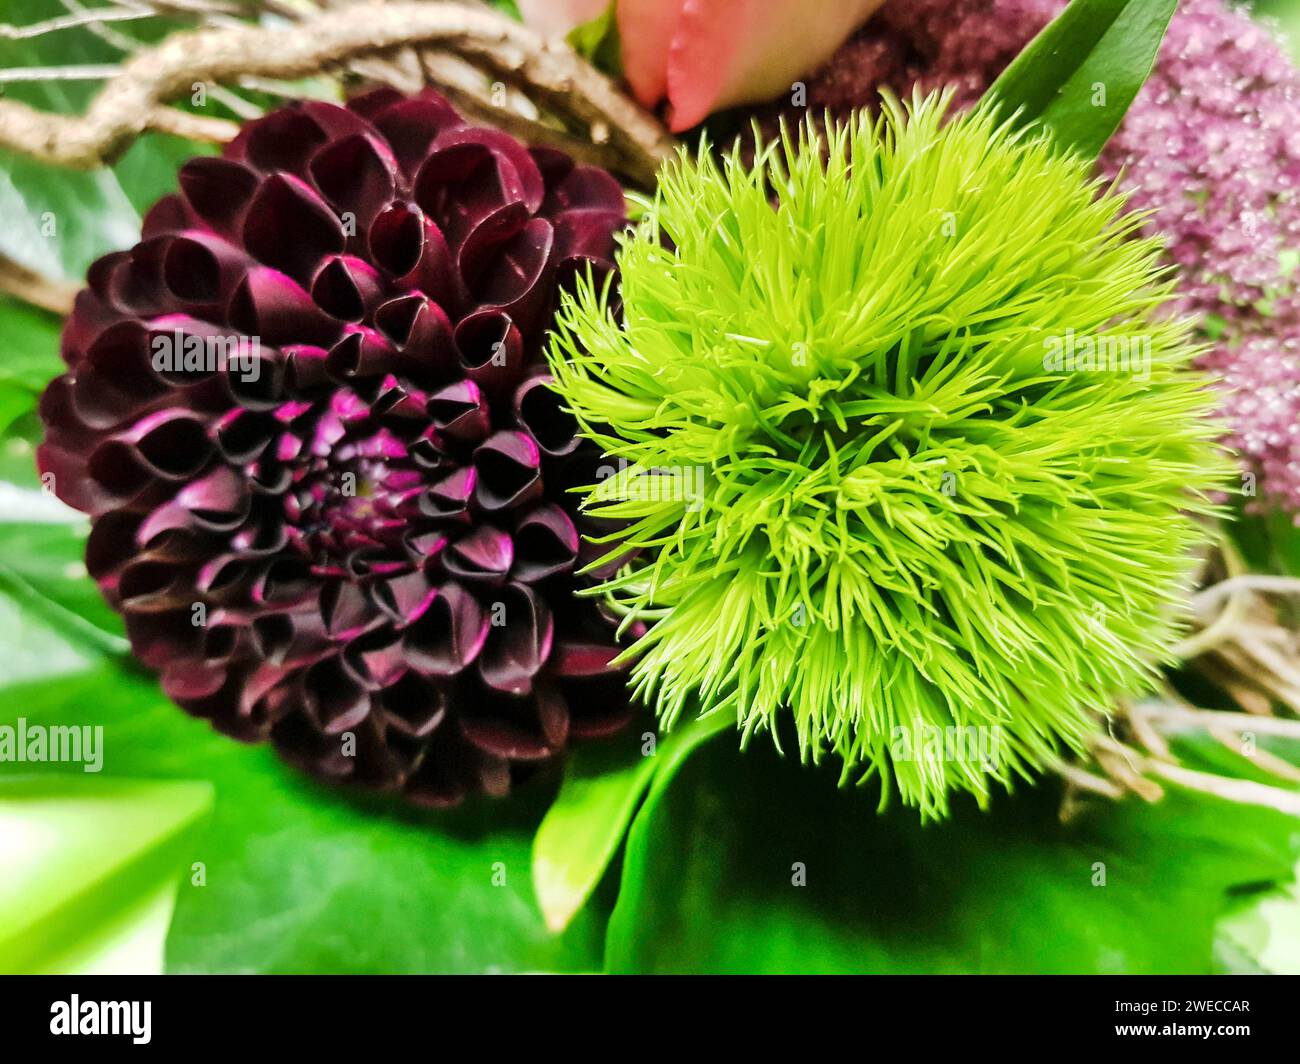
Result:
pixel 913 454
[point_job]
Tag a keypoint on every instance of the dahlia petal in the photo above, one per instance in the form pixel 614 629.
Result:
pixel 516 651
pixel 582 659
pixel 375 660
pixel 519 177
pixel 161 639
pixel 221 496
pixel 288 226
pixel 284 140
pixel 546 542
pixel 491 350
pixel 224 577
pixel 540 412
pixel 412 249
pixel 504 740
pixel 520 276
pixel 154 583
pixel 508 465
pixel 273 306
pixel 218 191
pixel 405 598
pixel 598 707
pixel 116 379
pixel 199 267
pixel 356 175
pixel 460 411
pixel 590 188
pixel 281 582
pixel 412 125
pixel 346 287
pixel 170 214
pixel 483 556
pixel 449 636
pixel 256 380
pixel 65 473
pixel 414 706
pixel 90 317
pixel 306 367
pixel 450 496
pixel 187 682
pixel 111 544
pixel 480 245
pixel 586 235
pixel 345 610
pixel 374 102
pixel 362 352
pixel 169 445
pixel 333 698
pixel 423 334
pixel 552 712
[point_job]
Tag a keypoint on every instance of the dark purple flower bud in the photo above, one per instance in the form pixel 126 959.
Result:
pixel 309 417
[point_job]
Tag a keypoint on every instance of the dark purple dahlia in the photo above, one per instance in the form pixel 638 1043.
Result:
pixel 329 485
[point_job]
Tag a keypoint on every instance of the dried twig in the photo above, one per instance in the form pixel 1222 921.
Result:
pixel 91 16
pixel 18 281
pixel 620 134
pixel 1246 792
pixel 1174 718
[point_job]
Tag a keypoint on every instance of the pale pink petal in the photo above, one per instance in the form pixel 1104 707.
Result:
pixel 645 30
pixel 555 18
pixel 728 52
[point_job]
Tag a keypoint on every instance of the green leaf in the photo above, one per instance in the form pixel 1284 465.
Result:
pixel 41 567
pixel 30 360
pixel 1265 935
pixel 710 878
pixel 301 877
pixel 602 789
pixel 1079 76
pixel 597 41
pixel 31 351
pixel 84 857
pixel 58 221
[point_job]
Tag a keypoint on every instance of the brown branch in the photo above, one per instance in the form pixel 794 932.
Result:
pixel 191 126
pixel 18 281
pixel 1245 792
pixel 625 137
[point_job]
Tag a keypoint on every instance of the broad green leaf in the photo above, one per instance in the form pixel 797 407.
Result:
pixel 41 567
pixel 1248 756
pixel 79 856
pixel 602 789
pixel 752 863
pixel 30 357
pixel 597 41
pixel 300 877
pixel 58 221
pixel 1265 935
pixel 1079 76
pixel 33 649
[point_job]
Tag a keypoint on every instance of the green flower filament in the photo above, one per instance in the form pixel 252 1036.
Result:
pixel 908 446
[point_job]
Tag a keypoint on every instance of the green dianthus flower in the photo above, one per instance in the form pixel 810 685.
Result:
pixel 907 444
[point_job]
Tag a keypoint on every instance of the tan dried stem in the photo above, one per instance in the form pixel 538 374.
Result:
pixel 619 134
pixel 22 283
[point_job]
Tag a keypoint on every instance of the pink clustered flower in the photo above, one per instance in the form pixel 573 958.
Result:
pixel 1211 147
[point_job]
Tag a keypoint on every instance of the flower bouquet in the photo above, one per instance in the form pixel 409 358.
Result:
pixel 705 486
